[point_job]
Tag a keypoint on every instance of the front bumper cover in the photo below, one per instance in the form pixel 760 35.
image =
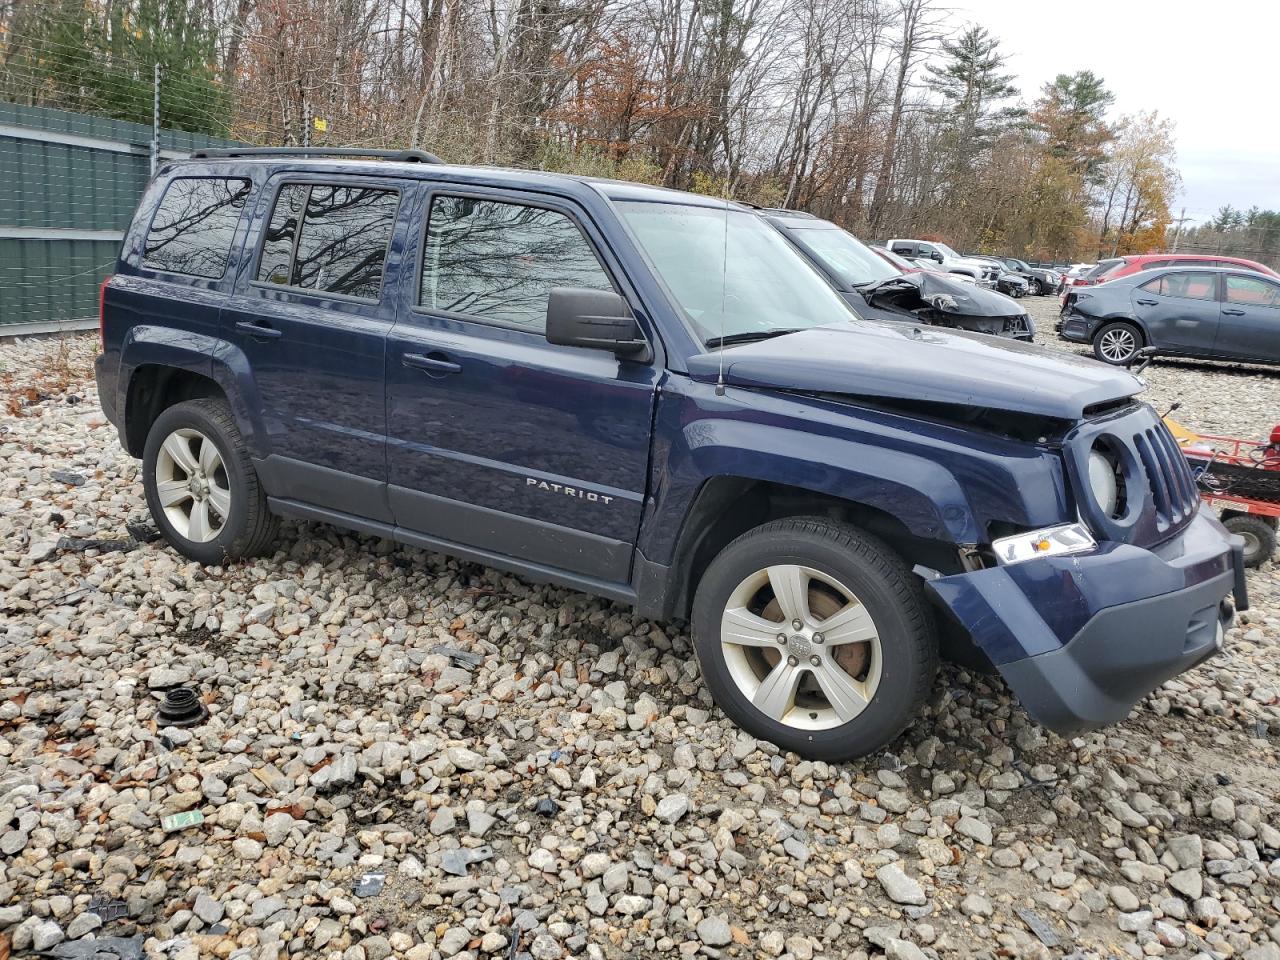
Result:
pixel 1081 639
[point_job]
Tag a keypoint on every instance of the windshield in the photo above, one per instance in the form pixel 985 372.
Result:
pixel 764 285
pixel 844 254
pixel 946 251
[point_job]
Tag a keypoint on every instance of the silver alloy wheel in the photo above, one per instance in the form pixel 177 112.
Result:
pixel 192 485
pixel 1252 545
pixel 1118 344
pixel 801 647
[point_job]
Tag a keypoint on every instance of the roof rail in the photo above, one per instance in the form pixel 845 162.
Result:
pixel 405 156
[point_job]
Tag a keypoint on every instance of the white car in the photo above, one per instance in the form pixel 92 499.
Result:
pixel 946 259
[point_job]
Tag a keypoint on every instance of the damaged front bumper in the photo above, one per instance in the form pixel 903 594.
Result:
pixel 1082 638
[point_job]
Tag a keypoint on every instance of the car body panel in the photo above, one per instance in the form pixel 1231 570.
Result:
pixel 882 417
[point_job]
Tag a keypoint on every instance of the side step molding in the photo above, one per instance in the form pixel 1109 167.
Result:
pixel 621 592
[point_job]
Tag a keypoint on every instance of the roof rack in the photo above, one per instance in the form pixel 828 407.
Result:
pixel 404 156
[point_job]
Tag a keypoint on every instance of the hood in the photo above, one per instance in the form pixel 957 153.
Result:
pixel 967 299
pixel 902 361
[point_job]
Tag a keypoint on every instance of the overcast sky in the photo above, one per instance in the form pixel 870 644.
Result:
pixel 1211 68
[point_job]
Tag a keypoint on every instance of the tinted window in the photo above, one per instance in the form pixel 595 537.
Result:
pixel 277 246
pixel 1102 267
pixel 498 262
pixel 1252 291
pixel 193 227
pixel 1189 286
pixel 341 242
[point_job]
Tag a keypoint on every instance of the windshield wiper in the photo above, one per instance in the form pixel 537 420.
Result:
pixel 751 336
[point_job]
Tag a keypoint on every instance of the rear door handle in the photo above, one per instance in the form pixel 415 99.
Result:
pixel 1147 303
pixel 1233 312
pixel 434 362
pixel 258 330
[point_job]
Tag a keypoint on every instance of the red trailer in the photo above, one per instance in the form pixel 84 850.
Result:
pixel 1241 480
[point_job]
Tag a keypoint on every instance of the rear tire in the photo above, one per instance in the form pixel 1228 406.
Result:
pixel 1259 537
pixel 1037 288
pixel 816 637
pixel 201 487
pixel 1117 343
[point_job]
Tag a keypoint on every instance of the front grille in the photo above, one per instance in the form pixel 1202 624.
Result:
pixel 1160 496
pixel 1173 488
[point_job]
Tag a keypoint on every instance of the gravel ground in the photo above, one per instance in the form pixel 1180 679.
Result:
pixel 517 770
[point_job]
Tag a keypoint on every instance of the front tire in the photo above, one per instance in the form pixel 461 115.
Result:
pixel 1117 343
pixel 1037 288
pixel 815 636
pixel 201 488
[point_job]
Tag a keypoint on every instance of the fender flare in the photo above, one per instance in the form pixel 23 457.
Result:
pixel 203 355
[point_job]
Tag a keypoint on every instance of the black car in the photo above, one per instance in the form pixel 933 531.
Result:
pixel 1040 280
pixel 1216 313
pixel 878 290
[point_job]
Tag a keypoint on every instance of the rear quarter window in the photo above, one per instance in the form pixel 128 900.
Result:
pixel 194 225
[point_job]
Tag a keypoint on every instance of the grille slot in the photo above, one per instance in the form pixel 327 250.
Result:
pixel 1173 489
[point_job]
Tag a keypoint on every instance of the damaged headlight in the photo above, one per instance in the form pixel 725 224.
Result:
pixel 1048 542
pixel 943 301
pixel 1103 482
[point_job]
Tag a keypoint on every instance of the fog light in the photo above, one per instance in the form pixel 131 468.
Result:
pixel 1049 542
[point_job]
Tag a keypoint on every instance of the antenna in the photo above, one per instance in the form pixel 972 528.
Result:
pixel 724 284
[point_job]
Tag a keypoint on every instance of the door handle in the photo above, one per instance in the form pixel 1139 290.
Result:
pixel 1233 312
pixel 1147 303
pixel 432 363
pixel 258 330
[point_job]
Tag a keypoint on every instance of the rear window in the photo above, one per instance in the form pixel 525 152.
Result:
pixel 1103 268
pixel 1189 286
pixel 194 225
pixel 329 238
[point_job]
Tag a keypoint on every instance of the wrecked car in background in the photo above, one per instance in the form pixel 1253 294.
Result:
pixel 881 290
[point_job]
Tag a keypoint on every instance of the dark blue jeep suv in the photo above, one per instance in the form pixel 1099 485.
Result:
pixel 650 396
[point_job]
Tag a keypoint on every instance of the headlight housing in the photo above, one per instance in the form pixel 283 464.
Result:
pixel 1049 542
pixel 1104 480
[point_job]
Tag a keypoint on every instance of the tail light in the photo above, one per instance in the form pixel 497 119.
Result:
pixel 102 304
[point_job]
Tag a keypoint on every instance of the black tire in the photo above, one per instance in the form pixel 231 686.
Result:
pixel 881 582
pixel 249 528
pixel 1037 288
pixel 1110 336
pixel 1259 537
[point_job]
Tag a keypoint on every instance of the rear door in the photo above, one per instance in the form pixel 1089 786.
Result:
pixel 499 440
pixel 1250 327
pixel 1179 310
pixel 311 320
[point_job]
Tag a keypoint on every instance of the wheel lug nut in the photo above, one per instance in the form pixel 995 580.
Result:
pixel 792 661
pixel 816 661
pixel 818 638
pixel 797 624
pixel 782 638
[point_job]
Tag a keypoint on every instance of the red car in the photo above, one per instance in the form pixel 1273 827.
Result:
pixel 1123 266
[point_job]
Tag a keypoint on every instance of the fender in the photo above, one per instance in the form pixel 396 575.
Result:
pixel 198 353
pixel 943 483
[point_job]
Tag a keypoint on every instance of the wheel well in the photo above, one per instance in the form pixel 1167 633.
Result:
pixel 152 390
pixel 727 507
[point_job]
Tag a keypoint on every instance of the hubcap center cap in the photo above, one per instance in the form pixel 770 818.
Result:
pixel 799 645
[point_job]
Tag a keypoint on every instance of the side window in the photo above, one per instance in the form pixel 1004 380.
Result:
pixel 904 249
pixel 1189 286
pixel 329 238
pixel 194 225
pixel 1252 292
pixel 497 262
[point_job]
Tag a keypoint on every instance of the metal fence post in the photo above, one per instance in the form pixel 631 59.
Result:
pixel 155 119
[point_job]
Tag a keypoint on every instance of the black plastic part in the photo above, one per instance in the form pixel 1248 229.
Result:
pixel 182 708
pixel 546 807
pixel 1093 680
pixel 404 156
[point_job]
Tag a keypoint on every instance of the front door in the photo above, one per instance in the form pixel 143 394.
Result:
pixel 1180 310
pixel 311 320
pixel 1250 326
pixel 497 439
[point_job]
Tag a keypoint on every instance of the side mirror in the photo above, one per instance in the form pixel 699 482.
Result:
pixel 596 319
pixel 935 256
